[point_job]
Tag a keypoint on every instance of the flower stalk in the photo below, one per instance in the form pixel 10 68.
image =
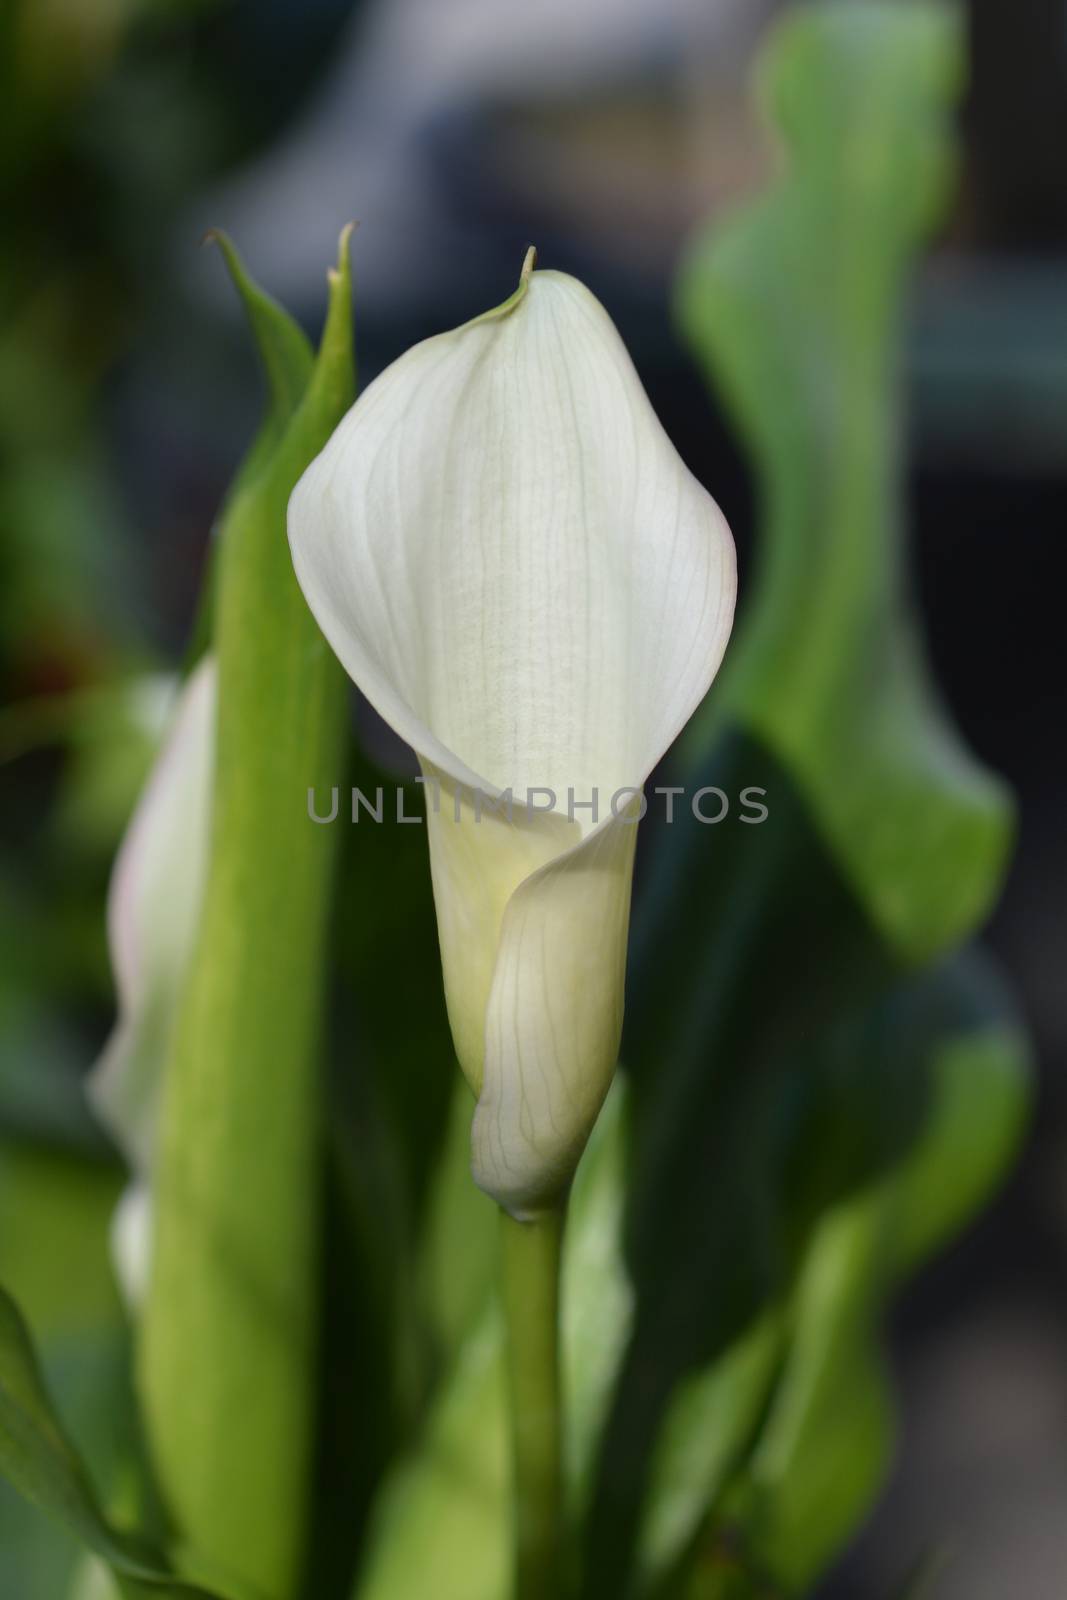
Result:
pixel 530 1275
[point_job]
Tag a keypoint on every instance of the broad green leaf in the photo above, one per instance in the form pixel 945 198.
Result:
pixel 410 1243
pixel 749 946
pixel 824 1448
pixel 54 1215
pixel 978 1111
pixel 712 1417
pixel 795 307
pixel 228 1348
pixel 760 950
pixel 38 1458
pixel 442 1522
pixel 396 1307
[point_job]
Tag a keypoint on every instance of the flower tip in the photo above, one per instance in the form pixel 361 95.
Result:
pixel 528 265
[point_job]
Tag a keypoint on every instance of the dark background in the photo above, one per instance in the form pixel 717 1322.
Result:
pixel 456 133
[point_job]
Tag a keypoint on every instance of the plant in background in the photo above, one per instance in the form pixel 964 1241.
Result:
pixel 211 1078
pixel 821 1083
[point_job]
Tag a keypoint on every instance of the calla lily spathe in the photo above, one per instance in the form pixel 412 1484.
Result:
pixel 154 898
pixel 513 564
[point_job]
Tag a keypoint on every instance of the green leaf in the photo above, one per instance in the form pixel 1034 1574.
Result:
pixel 229 1340
pixel 67 1290
pixel 712 1417
pixel 287 360
pixel 795 308
pixel 401 1292
pixel 284 350
pixel 763 953
pixel 824 1447
pixel 411 1242
pixel 37 1457
pixel 440 1524
pixel 442 1519
pixel 748 946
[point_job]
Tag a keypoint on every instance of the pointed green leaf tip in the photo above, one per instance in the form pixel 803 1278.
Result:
pixel 283 346
pixel 37 1458
pixel 335 371
pixel 287 359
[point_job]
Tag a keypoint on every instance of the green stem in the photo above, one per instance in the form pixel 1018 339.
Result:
pixel 530 1266
pixel 228 1337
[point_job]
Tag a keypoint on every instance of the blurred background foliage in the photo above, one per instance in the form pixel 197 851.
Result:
pixel 808 1118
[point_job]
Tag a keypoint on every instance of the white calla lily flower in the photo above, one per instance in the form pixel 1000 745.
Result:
pixel 154 899
pixel 509 558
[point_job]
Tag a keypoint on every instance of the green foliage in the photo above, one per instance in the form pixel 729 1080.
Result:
pixel 795 306
pixel 37 1457
pixel 823 1084
pixel 227 1352
pixel 442 1517
pixel 824 1444
pixel 808 1121
pixel 56 1205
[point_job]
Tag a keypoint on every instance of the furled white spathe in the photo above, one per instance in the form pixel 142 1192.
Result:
pixel 153 910
pixel 511 561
